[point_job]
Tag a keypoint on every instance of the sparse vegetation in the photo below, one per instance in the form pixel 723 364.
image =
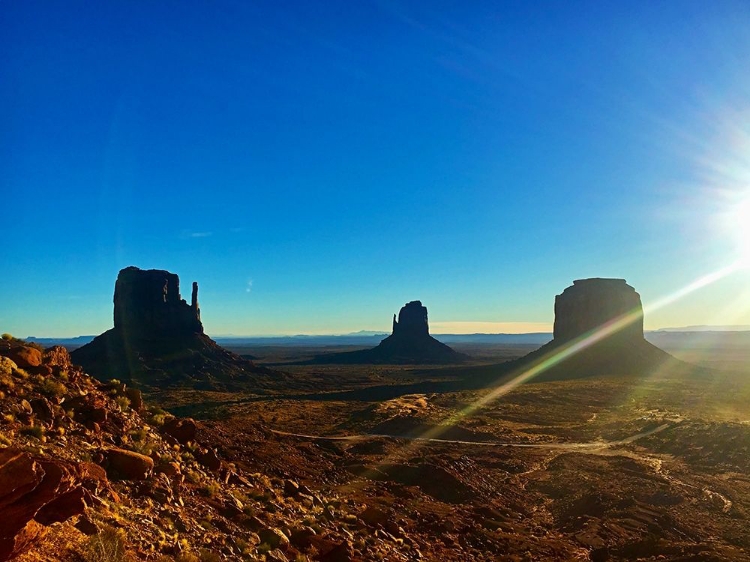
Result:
pixel 211 489
pixel 108 545
pixel 52 388
pixel 123 402
pixel 36 431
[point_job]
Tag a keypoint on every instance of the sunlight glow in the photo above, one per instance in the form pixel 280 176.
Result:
pixel 740 225
pixel 560 354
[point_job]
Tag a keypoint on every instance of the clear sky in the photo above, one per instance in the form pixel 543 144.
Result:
pixel 315 165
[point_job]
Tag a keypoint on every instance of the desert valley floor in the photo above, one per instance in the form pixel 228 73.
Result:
pixel 605 468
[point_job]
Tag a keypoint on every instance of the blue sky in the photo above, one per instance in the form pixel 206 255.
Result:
pixel 314 166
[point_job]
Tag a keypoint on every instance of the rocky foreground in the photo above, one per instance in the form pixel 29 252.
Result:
pixel 89 472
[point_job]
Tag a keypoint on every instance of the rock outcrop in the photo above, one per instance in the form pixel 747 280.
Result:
pixel 158 340
pixel 589 304
pixel 409 344
pixel 611 312
pixel 148 303
pixel 412 321
pixel 36 492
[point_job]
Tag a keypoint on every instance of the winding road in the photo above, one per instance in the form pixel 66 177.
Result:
pixel 564 446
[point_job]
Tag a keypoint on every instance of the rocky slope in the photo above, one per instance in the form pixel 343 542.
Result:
pixel 89 472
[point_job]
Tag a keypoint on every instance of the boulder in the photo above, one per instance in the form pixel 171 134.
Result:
pixel 183 430
pixel 35 492
pixel 208 458
pixel 273 537
pixel 25 356
pixel 127 465
pixel 372 516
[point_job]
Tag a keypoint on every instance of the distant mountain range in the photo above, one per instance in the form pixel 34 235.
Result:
pixel 371 338
pixel 705 328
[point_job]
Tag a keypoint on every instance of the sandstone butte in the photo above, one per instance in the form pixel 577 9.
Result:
pixel 410 343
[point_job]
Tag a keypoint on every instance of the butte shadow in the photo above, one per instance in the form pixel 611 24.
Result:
pixel 158 340
pixel 409 344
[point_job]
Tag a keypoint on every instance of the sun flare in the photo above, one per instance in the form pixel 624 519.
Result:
pixel 740 225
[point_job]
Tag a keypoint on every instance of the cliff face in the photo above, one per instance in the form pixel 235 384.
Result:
pixel 158 338
pixel 412 320
pixel 591 303
pixel 148 304
pixel 580 310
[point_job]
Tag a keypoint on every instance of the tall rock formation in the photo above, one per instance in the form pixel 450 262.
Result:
pixel 410 343
pixel 148 304
pixel 590 304
pixel 412 321
pixel 158 338
pixel 610 308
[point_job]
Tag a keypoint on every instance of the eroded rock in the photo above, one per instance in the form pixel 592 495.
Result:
pixel 589 304
pixel 34 493
pixel 127 465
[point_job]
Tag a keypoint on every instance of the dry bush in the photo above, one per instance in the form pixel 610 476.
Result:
pixel 108 545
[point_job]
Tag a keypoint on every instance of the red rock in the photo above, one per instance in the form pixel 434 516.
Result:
pixel 57 356
pixel 209 459
pixel 181 429
pixel 342 552
pixel 34 492
pixel 373 516
pixel 25 356
pixel 135 397
pixel 128 465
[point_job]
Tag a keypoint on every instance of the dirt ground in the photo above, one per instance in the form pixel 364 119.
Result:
pixel 605 468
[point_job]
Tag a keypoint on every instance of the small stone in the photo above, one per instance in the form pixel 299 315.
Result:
pixel 275 538
pixel 291 488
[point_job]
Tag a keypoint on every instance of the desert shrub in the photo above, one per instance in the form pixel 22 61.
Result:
pixel 7 337
pixel 210 489
pixel 6 366
pixel 193 477
pixel 123 402
pixel 208 556
pixel 187 557
pixel 5 441
pixel 138 434
pixel 20 373
pixel 145 447
pixel 108 545
pixel 158 419
pixel 53 388
pixel 32 431
pixel 264 548
pixel 242 545
pixel 9 418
